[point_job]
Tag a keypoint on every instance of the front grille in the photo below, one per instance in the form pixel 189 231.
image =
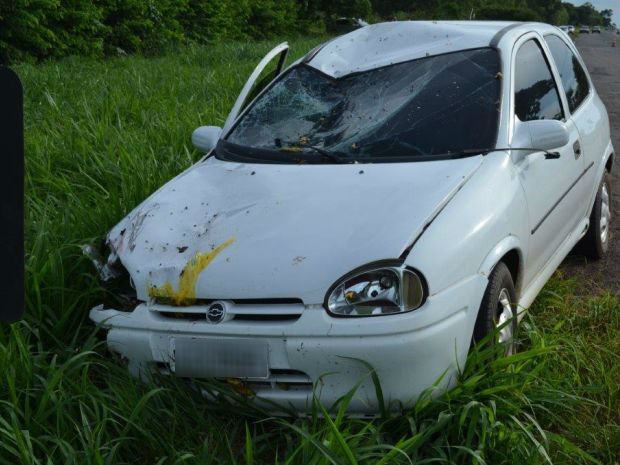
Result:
pixel 257 311
pixel 182 316
pixel 261 317
pixel 266 301
pixel 282 379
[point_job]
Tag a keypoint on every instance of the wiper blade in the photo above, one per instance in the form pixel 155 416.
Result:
pixel 469 152
pixel 327 154
pixel 324 153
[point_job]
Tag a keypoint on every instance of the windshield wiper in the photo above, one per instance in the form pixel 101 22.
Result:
pixel 327 154
pixel 469 152
pixel 324 153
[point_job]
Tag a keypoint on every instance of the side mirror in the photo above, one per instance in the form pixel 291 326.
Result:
pixel 540 135
pixel 205 138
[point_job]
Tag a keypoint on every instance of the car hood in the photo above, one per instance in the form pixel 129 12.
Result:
pixel 224 230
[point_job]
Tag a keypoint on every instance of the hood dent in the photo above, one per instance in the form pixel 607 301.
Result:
pixel 178 244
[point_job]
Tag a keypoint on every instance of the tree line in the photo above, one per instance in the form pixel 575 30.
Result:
pixel 41 29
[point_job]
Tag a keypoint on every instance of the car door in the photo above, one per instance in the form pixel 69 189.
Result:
pixel 265 72
pixel 554 204
pixel 587 115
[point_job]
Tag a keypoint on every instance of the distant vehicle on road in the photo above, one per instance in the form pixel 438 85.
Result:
pixel 584 29
pixel 596 30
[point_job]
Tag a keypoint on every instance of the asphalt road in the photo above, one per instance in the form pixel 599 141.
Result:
pixel 603 62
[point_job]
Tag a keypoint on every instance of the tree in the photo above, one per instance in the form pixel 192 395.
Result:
pixel 560 17
pixel 607 16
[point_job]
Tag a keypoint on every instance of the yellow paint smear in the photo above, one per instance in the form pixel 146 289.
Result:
pixel 186 293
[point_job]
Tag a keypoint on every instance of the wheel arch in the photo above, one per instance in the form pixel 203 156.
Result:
pixel 609 163
pixel 510 252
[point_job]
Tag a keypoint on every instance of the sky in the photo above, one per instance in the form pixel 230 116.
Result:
pixel 603 5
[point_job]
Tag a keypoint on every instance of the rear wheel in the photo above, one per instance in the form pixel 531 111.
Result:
pixel 596 240
pixel 498 310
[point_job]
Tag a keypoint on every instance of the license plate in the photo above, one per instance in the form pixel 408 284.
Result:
pixel 219 358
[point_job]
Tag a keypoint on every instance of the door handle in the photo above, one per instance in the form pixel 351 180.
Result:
pixel 577 149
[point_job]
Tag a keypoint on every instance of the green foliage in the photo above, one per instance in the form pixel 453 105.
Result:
pixel 38 29
pixel 561 17
pixel 587 15
pixel 549 11
pixel 335 8
pixel 269 18
pixel 348 8
pixel 212 20
pixel 49 28
pixel 141 26
pixel 507 13
pixel 77 27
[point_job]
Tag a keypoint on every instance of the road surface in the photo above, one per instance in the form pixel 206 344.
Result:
pixel 603 62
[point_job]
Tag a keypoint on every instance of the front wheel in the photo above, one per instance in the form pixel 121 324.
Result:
pixel 596 240
pixel 498 310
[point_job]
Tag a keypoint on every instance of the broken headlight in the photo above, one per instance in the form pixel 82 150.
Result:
pixel 119 289
pixel 377 291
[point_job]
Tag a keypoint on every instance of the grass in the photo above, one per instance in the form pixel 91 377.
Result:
pixel 102 135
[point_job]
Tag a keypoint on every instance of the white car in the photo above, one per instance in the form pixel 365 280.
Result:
pixel 393 195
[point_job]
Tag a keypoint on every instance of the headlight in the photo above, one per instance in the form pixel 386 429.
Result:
pixel 377 291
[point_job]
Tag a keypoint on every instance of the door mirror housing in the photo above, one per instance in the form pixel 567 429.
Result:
pixel 205 138
pixel 540 135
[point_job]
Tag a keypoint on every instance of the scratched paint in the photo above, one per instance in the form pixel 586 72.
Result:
pixel 185 294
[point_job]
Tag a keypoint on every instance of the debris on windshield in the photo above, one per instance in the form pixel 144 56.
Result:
pixel 398 111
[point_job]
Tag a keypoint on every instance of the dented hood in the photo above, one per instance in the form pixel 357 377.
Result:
pixel 224 230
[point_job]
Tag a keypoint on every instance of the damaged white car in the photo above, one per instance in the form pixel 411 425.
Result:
pixel 384 201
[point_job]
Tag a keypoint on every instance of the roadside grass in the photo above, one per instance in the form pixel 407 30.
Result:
pixel 101 136
pixel 586 330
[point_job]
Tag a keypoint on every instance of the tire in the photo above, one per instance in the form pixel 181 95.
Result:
pixel 498 305
pixel 596 241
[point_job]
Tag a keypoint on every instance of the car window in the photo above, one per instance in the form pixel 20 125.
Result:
pixel 419 109
pixel 270 72
pixel 536 94
pixel 574 78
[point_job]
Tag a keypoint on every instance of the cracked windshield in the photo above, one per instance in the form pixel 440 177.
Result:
pixel 418 110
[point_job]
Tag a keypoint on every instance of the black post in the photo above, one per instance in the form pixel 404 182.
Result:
pixel 11 197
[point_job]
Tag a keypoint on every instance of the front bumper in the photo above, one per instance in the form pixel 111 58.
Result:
pixel 314 353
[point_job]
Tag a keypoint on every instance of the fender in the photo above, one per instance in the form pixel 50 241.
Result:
pixel 504 246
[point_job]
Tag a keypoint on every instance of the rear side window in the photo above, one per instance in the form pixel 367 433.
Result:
pixel 536 94
pixel 573 75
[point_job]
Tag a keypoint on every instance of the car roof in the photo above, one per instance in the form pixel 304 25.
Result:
pixel 383 44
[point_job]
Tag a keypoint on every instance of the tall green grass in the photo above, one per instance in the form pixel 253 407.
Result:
pixel 102 135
